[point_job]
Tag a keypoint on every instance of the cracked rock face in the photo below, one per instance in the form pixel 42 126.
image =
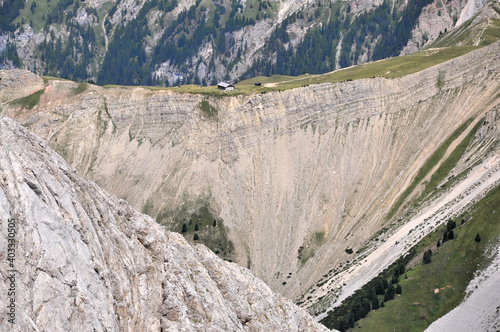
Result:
pixel 18 83
pixel 87 261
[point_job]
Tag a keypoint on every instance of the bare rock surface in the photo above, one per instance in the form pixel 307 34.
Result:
pixel 18 83
pixel 86 261
pixel 472 7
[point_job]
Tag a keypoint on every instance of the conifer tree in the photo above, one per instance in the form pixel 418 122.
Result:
pixel 386 284
pixel 379 287
pixel 367 306
pixel 450 225
pixel 427 256
pixel 375 304
pixel 392 291
pixel 372 294
pixel 350 320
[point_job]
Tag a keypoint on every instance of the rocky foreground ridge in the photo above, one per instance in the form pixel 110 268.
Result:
pixel 87 261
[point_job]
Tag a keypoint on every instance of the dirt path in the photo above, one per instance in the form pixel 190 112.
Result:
pixel 480 179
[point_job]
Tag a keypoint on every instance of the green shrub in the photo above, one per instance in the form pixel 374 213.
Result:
pixel 427 256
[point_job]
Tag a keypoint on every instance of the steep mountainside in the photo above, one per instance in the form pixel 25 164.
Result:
pixel 86 261
pixel 293 179
pixel 176 42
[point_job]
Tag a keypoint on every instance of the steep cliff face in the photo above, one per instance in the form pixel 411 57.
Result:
pixel 86 261
pixel 297 177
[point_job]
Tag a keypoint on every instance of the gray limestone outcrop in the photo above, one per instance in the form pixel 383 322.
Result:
pixel 18 83
pixel 86 261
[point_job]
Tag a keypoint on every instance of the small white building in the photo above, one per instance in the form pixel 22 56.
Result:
pixel 225 86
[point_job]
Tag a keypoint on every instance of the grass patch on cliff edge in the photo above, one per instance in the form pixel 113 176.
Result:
pixel 492 32
pixel 211 91
pixel 452 268
pixel 29 101
pixel 387 68
pixel 80 88
pixel 208 110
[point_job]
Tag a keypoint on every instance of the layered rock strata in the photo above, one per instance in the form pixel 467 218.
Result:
pixel 297 176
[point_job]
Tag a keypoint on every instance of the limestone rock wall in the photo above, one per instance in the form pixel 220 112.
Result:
pixel 18 83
